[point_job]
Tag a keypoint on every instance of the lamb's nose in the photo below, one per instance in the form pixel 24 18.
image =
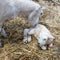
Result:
pixel 54 38
pixel 51 45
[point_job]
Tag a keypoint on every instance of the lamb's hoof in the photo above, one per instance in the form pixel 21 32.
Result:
pixel 27 39
pixel 1 44
pixel 43 48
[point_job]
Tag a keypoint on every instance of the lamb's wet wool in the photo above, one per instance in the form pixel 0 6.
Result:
pixel 43 36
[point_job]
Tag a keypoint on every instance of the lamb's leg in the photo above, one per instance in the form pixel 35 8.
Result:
pixel 31 32
pixel 33 18
pixel 27 38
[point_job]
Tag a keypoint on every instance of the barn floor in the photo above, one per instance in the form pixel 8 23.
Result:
pixel 14 49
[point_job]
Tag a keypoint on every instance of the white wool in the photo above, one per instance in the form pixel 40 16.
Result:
pixel 43 36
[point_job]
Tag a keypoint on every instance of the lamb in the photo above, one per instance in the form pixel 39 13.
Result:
pixel 9 9
pixel 42 34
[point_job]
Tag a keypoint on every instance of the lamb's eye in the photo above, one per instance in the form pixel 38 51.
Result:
pixel 41 6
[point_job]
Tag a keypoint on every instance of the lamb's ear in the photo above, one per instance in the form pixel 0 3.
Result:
pixel 31 32
pixel 52 38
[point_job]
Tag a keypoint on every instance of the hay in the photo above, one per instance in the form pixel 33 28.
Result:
pixel 14 49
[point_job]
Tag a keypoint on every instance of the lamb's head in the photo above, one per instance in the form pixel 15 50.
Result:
pixel 45 40
pixel 43 36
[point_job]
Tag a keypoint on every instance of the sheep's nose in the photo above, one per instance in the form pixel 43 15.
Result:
pixel 41 13
pixel 38 43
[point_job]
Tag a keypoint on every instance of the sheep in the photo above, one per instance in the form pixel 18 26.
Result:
pixel 42 34
pixel 9 9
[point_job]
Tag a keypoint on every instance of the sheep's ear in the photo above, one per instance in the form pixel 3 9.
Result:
pixel 31 32
pixel 43 8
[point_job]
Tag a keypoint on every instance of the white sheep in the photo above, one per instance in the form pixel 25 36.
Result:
pixel 42 34
pixel 11 8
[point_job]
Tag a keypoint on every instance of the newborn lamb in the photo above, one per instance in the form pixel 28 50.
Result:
pixel 42 34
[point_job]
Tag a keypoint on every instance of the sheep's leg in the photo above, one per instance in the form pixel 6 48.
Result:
pixel 1 43
pixel 27 38
pixel 3 33
pixel 33 18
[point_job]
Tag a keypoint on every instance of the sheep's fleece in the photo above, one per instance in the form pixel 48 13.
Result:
pixel 12 8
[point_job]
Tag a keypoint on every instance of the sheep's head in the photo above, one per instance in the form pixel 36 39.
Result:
pixel 42 10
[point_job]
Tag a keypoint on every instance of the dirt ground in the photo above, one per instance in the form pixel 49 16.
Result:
pixel 15 49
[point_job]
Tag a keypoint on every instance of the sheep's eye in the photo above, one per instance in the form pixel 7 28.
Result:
pixel 44 39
